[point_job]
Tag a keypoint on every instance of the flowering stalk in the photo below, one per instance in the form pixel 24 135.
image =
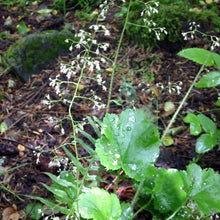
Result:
pixel 116 57
pixel 184 100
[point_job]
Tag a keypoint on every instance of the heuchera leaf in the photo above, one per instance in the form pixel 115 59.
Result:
pixel 129 142
pixel 210 80
pixel 195 128
pixel 169 191
pixel 218 102
pixel 208 125
pixel 99 205
pixel 205 188
pixel 205 143
pixel 127 211
pixel 216 58
pixel 198 55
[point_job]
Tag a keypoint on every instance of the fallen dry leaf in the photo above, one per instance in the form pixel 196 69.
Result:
pixel 10 213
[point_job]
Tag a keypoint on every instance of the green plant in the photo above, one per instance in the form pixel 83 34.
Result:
pixel 22 28
pixel 205 57
pixel 206 141
pixel 8 189
pixel 130 143
pixel 35 210
pixel 127 144
pixel 140 28
pixel 84 5
pixel 210 139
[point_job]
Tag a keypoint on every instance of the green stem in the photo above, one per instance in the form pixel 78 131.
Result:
pixel 137 193
pixel 117 181
pixel 143 207
pixel 116 57
pixel 183 101
pixel 174 213
pixel 71 117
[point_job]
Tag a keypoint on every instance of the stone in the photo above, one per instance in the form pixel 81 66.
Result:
pixel 30 54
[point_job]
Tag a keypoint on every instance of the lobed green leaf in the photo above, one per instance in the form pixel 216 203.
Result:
pixel 205 188
pixel 129 142
pixel 99 204
pixel 168 191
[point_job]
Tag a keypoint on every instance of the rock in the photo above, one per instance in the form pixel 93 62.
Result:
pixel 30 54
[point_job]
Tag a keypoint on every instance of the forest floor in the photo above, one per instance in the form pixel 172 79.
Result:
pixel 33 127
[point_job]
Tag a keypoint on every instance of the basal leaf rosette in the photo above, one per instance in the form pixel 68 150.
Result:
pixel 130 142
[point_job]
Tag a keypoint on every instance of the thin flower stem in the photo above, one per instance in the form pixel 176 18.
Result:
pixel 184 100
pixel 137 193
pixel 72 120
pixel 116 58
pixel 117 181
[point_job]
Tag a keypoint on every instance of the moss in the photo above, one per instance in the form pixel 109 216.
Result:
pixel 31 54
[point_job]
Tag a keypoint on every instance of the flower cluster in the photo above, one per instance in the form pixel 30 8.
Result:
pixel 86 41
pixel 151 8
pixel 172 87
pixel 89 57
pixel 193 30
pixel 98 104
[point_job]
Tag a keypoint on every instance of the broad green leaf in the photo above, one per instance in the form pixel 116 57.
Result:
pixel 208 125
pixel 205 143
pixel 169 191
pixel 209 80
pixel 35 210
pixel 198 55
pixel 99 205
pixel 129 142
pixel 217 136
pixel 205 188
pixel 127 211
pixel 195 128
pixel 216 58
pixel 148 183
pixel 218 102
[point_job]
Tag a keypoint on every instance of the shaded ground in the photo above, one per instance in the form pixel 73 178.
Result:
pixel 32 127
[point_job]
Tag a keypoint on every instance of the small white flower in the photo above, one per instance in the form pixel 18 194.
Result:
pixel 77 46
pixel 115 163
pixel 107 33
pixel 103 60
pixel 97 51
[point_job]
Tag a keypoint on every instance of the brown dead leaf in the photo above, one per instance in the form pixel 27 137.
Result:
pixel 10 213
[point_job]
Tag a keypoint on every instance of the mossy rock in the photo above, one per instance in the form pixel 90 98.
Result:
pixel 30 54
